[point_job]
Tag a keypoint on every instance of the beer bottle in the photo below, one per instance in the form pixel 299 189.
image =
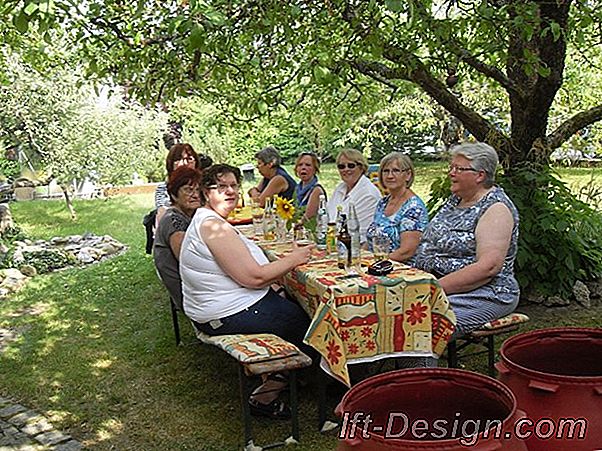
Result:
pixel 343 245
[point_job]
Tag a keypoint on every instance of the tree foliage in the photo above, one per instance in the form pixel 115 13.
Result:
pixel 74 133
pixel 256 56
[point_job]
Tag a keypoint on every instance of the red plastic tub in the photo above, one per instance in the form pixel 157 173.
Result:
pixel 556 376
pixel 429 409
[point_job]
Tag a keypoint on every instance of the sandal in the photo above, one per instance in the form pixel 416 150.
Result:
pixel 276 410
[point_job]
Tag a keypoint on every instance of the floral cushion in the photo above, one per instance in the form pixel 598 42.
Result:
pixel 513 318
pixel 251 348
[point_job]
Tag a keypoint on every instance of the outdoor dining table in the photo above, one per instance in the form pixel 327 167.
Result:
pixel 363 318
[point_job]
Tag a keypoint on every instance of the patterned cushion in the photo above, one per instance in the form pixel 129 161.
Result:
pixel 251 348
pixel 513 318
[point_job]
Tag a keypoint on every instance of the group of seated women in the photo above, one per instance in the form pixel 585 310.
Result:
pixel 470 245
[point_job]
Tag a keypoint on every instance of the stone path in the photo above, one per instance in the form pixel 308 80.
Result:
pixel 22 429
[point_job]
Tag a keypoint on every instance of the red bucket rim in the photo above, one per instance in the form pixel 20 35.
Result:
pixel 415 373
pixel 548 333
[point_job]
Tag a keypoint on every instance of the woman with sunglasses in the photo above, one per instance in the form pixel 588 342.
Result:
pixel 226 281
pixel 471 243
pixel 276 181
pixel 401 215
pixel 183 189
pixel 355 188
pixel 308 190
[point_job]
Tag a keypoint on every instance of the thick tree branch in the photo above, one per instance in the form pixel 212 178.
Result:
pixel 379 72
pixel 485 69
pixel 569 127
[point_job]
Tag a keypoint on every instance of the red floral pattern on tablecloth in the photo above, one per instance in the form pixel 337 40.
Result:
pixel 366 317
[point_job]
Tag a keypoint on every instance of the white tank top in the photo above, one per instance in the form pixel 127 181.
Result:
pixel 208 292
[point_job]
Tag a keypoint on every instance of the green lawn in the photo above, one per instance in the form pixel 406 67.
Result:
pixel 97 352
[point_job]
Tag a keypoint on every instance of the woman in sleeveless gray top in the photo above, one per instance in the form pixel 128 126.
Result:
pixel 471 244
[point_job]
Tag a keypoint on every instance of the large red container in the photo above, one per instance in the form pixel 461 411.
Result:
pixel 556 376
pixel 427 403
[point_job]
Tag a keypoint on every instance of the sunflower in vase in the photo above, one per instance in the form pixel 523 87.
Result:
pixel 293 217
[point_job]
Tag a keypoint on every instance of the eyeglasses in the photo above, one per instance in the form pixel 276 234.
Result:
pixel 394 171
pixel 222 188
pixel 342 166
pixel 453 168
pixel 188 159
pixel 189 190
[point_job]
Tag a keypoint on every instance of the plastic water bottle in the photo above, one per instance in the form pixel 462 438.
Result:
pixel 353 225
pixel 322 224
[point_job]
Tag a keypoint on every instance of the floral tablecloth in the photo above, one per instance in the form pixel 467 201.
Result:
pixel 366 318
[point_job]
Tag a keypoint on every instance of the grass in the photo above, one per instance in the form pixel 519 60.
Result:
pixel 97 352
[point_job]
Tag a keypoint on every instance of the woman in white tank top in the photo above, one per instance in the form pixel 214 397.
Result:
pixel 226 280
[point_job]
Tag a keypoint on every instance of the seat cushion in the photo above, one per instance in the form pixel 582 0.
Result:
pixel 251 348
pixel 509 320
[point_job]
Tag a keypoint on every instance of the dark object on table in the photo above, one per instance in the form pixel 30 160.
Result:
pixel 380 268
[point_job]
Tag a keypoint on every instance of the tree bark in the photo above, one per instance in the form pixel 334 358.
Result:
pixel 68 202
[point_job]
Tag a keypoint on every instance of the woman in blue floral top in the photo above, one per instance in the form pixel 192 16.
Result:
pixel 401 215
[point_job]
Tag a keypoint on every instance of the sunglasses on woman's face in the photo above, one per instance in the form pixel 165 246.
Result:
pixel 342 166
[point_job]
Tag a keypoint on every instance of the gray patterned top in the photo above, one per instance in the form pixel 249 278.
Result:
pixel 448 243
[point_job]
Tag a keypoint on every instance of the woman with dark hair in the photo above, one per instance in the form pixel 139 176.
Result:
pixel 276 181
pixel 179 155
pixel 183 190
pixel 226 280
pixel 308 190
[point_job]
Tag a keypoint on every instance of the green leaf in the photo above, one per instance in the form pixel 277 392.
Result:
pixel 556 30
pixel 262 107
pixel 197 37
pixel 21 22
pixel 393 5
pixel 30 9
pixel 544 71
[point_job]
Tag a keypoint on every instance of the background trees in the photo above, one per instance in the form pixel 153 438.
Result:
pixel 507 69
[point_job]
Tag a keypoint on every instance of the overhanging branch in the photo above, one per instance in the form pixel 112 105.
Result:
pixel 487 70
pixel 571 126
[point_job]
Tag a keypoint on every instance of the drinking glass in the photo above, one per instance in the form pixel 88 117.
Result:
pixel 257 213
pixel 280 229
pixel 381 245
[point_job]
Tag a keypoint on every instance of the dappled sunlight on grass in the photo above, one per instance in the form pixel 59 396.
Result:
pixel 96 347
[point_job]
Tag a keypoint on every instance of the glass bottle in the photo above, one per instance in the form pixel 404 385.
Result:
pixel 322 224
pixel 331 238
pixel 269 221
pixel 343 245
pixel 353 226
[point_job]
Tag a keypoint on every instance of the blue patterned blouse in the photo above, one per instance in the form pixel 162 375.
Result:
pixel 411 216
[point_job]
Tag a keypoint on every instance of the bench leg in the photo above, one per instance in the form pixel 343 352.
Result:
pixel 176 325
pixel 322 381
pixel 294 405
pixel 491 354
pixel 452 355
pixel 244 400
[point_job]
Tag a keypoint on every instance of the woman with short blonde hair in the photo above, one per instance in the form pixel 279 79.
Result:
pixel 355 188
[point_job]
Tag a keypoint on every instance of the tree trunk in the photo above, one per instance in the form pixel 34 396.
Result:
pixel 68 201
pixel 538 83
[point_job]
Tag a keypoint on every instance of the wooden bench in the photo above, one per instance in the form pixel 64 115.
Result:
pixel 257 354
pixel 484 337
